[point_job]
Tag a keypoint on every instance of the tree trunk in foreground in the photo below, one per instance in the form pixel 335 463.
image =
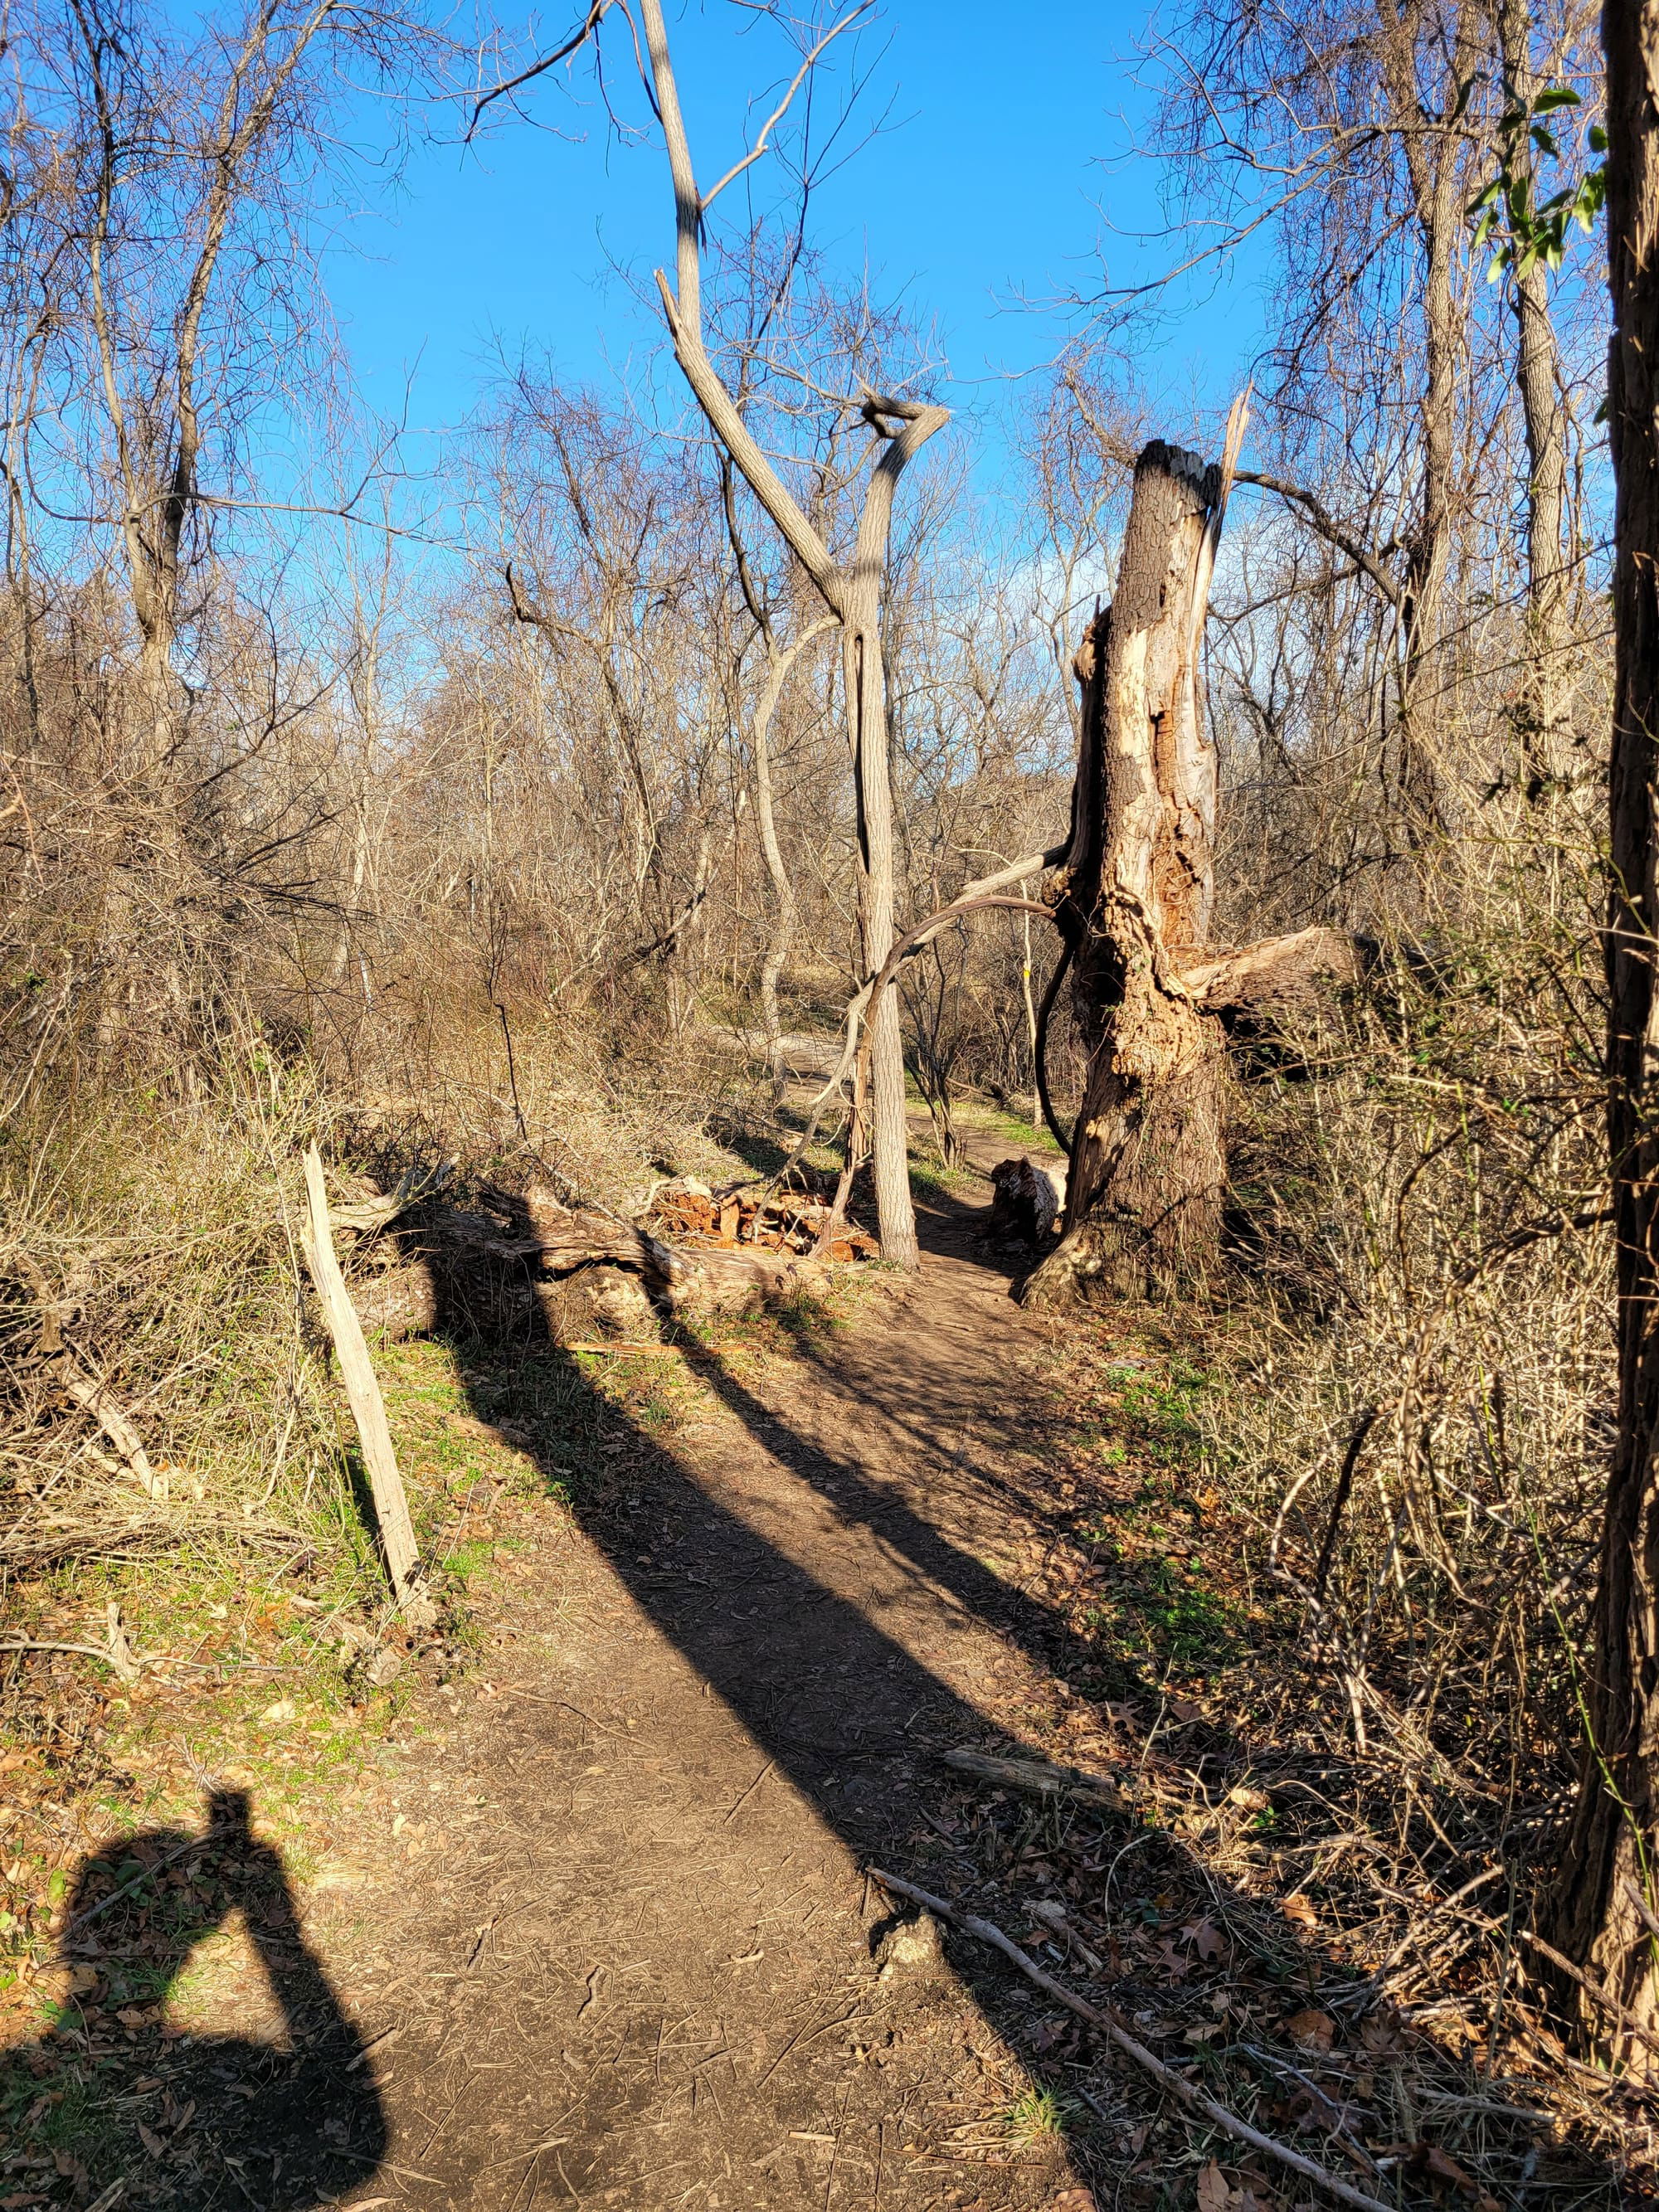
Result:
pixel 1607 1896
pixel 1145 1193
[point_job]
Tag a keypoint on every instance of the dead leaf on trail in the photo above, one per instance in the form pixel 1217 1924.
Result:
pixel 1310 2030
pixel 1300 1909
pixel 1170 1959
pixel 1074 2200
pixel 1205 1938
pixel 1212 2189
pixel 151 2141
pixel 284 1710
pixel 1438 2165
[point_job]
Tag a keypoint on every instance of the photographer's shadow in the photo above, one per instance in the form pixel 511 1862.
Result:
pixel 125 2108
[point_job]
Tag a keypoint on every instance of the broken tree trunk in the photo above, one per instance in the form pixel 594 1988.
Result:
pixel 1145 1193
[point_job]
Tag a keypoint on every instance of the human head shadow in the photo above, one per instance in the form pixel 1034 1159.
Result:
pixel 111 2094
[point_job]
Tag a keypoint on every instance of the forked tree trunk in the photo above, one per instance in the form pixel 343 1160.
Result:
pixel 1607 1894
pixel 1145 1193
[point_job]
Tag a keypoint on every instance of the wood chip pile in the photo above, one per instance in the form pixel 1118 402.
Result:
pixel 688 1212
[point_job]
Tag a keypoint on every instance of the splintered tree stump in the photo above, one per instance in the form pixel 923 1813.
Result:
pixel 1143 1197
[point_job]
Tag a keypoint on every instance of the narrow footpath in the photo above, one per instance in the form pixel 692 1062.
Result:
pixel 621 1948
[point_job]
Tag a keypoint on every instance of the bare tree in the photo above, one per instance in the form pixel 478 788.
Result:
pixel 851 589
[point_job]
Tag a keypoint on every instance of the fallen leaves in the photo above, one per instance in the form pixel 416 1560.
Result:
pixel 1310 2030
pixel 1205 1938
pixel 1439 2168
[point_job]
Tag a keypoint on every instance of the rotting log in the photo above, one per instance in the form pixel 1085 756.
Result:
pixel 1038 1777
pixel 496 1259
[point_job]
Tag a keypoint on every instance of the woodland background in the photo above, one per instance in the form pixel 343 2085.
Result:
pixel 541 850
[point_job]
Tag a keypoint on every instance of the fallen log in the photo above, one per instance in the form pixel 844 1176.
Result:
pixel 398 1302
pixel 496 1258
pixel 1038 1777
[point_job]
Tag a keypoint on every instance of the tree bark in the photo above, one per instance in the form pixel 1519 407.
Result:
pixel 1544 735
pixel 1144 1193
pixel 779 661
pixel 1607 1897
pixel 1431 146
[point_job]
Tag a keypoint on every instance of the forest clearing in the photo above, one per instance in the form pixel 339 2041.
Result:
pixel 828 1211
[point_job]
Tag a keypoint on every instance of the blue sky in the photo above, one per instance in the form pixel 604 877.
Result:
pixel 986 189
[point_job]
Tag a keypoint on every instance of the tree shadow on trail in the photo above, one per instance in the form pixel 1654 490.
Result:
pixel 127 2110
pixel 832 1595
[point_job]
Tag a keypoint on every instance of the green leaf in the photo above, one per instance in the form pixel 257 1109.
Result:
pixel 1555 95
pixel 1598 138
pixel 1545 143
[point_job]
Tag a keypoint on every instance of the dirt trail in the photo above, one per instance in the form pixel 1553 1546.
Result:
pixel 620 1949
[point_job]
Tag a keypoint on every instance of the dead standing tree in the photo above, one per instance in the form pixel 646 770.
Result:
pixel 851 591
pixel 1147 1165
pixel 1148 1170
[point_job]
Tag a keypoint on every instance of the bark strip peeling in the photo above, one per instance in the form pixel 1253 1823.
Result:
pixel 1147 1161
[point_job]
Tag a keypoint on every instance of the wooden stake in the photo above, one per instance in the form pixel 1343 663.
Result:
pixel 368 1405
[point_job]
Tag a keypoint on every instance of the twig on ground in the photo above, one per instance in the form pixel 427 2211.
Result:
pixel 1610 2003
pixel 1038 1777
pixel 1195 2100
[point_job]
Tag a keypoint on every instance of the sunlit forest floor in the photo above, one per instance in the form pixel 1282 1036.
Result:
pixel 570 1901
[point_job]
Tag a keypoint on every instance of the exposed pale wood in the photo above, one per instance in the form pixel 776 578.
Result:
pixel 987 1932
pixel 371 1214
pixel 363 1390
pixel 97 1399
pixel 1274 969
pixel 1144 1195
